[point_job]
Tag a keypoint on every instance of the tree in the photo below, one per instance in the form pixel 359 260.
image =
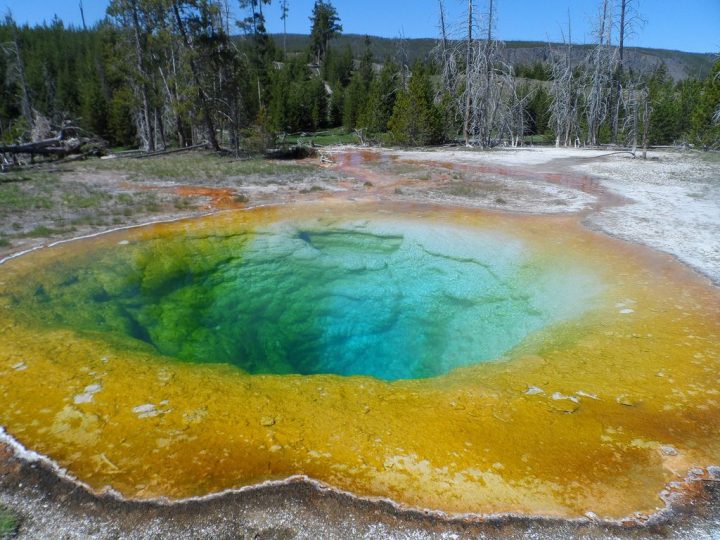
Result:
pixel 16 70
pixel 325 26
pixel 380 100
pixel 356 94
pixel 197 16
pixel 284 12
pixel 137 15
pixel 704 129
pixel 630 19
pixel 601 65
pixel 564 93
pixel 416 120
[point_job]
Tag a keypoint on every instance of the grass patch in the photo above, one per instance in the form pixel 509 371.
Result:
pixel 9 523
pixel 4 242
pixel 13 198
pixel 709 157
pixel 194 167
pixel 26 176
pixel 183 203
pixel 462 189
pixel 42 231
pixel 312 189
pixel 324 138
pixel 74 200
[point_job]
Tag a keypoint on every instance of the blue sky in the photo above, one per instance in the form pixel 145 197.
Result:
pixel 689 25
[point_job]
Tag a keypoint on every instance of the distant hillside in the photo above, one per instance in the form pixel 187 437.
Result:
pixel 680 65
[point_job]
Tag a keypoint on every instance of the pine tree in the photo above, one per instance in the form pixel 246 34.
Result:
pixel 325 26
pixel 381 99
pixel 416 120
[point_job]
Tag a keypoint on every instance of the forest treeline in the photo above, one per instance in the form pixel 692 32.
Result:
pixel 156 74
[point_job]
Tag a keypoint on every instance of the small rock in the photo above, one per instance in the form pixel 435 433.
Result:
pixel 534 390
pixel 565 406
pixel 668 450
pixel 557 396
pixel 83 398
pixel 267 421
pixel 627 401
pixel 147 410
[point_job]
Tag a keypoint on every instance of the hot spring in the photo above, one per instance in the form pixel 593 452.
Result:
pixel 444 358
pixel 390 299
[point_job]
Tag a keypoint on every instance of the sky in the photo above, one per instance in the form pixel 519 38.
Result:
pixel 688 25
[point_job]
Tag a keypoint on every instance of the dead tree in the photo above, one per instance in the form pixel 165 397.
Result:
pixel 646 114
pixel 598 76
pixel 564 92
pixel 448 54
pixel 145 116
pixel 16 71
pixel 630 19
pixel 468 74
pixel 485 89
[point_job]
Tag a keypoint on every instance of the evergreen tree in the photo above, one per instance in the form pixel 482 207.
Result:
pixel 704 130
pixel 325 26
pixel 381 99
pixel 416 120
pixel 356 94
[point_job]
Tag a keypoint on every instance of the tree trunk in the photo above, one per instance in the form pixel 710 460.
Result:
pixel 146 124
pixel 619 72
pixel 196 77
pixel 468 77
pixel 25 103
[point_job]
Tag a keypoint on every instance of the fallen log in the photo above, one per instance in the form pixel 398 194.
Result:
pixel 31 148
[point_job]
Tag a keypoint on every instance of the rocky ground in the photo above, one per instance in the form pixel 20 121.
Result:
pixel 670 202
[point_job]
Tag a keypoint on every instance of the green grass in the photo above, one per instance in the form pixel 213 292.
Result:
pixel 9 523
pixel 30 175
pixel 91 200
pixel 462 189
pixel 13 197
pixel 709 157
pixel 324 138
pixel 43 232
pixel 313 189
pixel 194 167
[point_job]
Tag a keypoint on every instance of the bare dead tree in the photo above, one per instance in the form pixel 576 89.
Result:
pixel 516 115
pixel 468 73
pixel 16 71
pixel 598 77
pixel 144 118
pixel 630 21
pixel 646 114
pixel 564 92
pixel 446 54
pixel 402 57
pixel 485 93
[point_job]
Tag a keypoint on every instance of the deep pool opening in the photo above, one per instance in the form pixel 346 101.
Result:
pixel 387 299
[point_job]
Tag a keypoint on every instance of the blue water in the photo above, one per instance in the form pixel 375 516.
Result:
pixel 390 299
